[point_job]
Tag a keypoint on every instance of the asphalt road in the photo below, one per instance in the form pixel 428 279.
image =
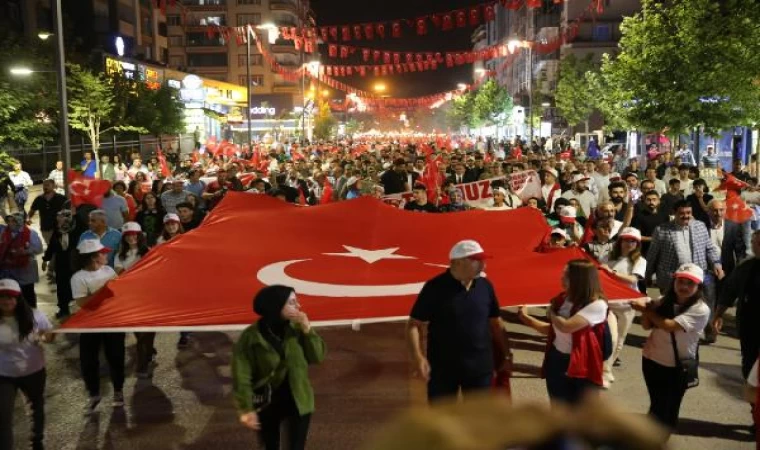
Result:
pixel 364 381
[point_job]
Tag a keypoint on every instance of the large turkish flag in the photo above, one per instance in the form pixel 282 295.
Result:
pixel 353 260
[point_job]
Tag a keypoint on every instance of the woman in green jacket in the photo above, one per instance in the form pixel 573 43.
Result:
pixel 270 369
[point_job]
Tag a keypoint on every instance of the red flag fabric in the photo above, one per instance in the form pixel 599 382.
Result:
pixel 195 157
pixel 370 271
pixel 85 190
pixel 165 172
pixel 327 193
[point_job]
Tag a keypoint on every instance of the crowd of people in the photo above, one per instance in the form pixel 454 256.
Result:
pixel 652 224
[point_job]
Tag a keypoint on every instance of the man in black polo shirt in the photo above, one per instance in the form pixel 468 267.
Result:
pixel 420 202
pixel 394 180
pixel 648 218
pixel 49 203
pixel 461 313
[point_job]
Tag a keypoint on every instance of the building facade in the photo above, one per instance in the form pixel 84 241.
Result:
pixel 132 28
pixel 192 48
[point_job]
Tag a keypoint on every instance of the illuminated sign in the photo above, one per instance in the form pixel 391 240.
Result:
pixel 261 110
pixel 176 84
pixel 121 68
pixel 119 46
pixel 192 82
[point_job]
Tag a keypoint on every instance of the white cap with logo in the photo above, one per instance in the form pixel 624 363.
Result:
pixel 88 246
pixel 10 287
pixel 690 271
pixel 468 249
pixel 630 233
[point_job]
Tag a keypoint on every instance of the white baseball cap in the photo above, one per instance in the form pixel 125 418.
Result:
pixel 9 287
pixel 501 191
pixel 468 249
pixel 630 233
pixel 131 228
pixel 690 271
pixel 568 211
pixel 352 181
pixel 579 177
pixel 88 246
pixel 561 232
pixel 614 176
pixel 171 217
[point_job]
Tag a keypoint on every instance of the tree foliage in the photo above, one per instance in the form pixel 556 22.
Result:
pixel 324 122
pixel 28 113
pixel 686 64
pixel 575 96
pixel 491 102
pixel 462 111
pixel 92 107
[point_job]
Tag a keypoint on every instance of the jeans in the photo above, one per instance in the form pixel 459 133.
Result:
pixel 443 384
pixel 283 411
pixel 89 358
pixel 562 388
pixel 33 387
pixel 666 389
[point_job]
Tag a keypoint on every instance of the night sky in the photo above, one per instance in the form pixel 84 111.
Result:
pixel 345 12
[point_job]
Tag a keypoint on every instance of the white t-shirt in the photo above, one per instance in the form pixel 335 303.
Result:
pixel 18 359
pixel 594 313
pixel 128 261
pixel 85 282
pixel 625 267
pixel 659 348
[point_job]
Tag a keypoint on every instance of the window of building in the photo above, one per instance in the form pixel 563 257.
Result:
pixel 176 61
pixel 164 54
pixel 201 39
pixel 602 33
pixel 174 21
pixel 175 41
pixel 206 59
pixel 256 80
pixel 162 29
pixel 256 60
pixel 249 2
pixel 245 19
pixel 216 19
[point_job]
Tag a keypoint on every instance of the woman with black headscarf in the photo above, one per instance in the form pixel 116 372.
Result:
pixel 270 369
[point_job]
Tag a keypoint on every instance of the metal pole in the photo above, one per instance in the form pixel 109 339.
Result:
pixel 248 37
pixel 63 119
pixel 530 92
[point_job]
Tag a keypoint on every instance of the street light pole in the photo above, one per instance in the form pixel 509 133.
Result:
pixel 248 37
pixel 63 118
pixel 530 92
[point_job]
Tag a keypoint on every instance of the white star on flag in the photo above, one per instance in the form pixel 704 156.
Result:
pixel 370 256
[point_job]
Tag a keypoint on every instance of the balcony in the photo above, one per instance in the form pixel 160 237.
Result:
pixel 282 46
pixel 283 6
pixel 205 5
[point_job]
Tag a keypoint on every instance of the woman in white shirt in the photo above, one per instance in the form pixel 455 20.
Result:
pixel 628 266
pixel 676 321
pixel 85 284
pixel 576 319
pixel 22 362
pixel 133 247
pixel 172 228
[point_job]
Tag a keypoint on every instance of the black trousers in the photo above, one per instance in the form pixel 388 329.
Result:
pixel 443 384
pixel 89 359
pixel 145 350
pixel 560 387
pixel 750 347
pixel 63 290
pixel 33 387
pixel 666 387
pixel 27 290
pixel 282 412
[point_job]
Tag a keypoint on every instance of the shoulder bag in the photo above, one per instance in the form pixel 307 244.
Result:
pixel 688 368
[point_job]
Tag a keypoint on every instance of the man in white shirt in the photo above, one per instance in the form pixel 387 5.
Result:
pixel 57 176
pixel 659 185
pixel 580 192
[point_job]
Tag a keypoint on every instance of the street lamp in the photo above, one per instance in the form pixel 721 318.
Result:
pixel 461 86
pixel 44 35
pixel 325 93
pixel 21 71
pixel 380 87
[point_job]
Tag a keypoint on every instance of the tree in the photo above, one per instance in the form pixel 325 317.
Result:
pixel 354 126
pixel 462 112
pixel 575 96
pixel 92 108
pixel 159 111
pixel 28 114
pixel 492 103
pixel 675 72
pixel 324 122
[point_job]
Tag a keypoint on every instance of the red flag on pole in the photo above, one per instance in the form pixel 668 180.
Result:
pixel 165 172
pixel 85 190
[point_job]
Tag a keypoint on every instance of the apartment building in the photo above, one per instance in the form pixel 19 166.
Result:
pixel 192 49
pixel 132 28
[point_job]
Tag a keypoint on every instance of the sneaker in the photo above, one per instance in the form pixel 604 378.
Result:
pixel 183 343
pixel 118 399
pixel 617 363
pixel 92 404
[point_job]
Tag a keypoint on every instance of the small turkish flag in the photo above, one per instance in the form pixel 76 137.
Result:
pixel 85 190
